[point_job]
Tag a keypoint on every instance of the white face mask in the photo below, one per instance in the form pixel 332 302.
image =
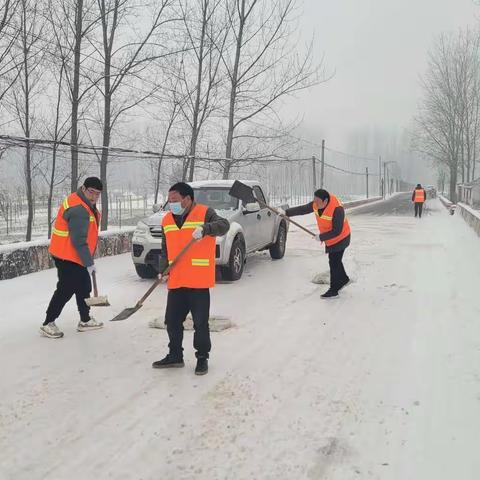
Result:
pixel 176 208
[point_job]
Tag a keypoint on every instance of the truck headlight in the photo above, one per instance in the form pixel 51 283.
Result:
pixel 141 229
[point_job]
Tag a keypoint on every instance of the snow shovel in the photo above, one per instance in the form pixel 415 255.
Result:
pixel 245 194
pixel 127 312
pixel 96 301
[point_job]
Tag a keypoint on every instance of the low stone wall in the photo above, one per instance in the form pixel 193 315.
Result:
pixel 445 201
pixel 28 257
pixel 471 216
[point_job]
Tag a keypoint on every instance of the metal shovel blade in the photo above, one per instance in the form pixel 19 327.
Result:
pixel 243 192
pixel 97 302
pixel 125 313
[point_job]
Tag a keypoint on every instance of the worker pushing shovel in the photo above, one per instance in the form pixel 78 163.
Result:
pixel 332 224
pixel 189 282
pixel 334 231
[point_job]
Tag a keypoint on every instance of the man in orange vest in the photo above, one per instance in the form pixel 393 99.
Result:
pixel 334 232
pixel 419 196
pixel 72 246
pixel 191 278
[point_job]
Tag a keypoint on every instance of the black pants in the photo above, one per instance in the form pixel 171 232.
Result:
pixel 418 209
pixel 338 276
pixel 180 302
pixel 72 279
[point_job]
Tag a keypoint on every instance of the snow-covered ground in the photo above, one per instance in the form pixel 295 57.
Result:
pixel 383 383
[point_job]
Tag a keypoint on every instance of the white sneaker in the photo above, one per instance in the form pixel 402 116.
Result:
pixel 157 323
pixel 92 324
pixel 51 330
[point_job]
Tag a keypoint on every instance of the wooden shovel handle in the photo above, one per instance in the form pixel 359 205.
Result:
pixel 167 270
pixel 291 221
pixel 95 289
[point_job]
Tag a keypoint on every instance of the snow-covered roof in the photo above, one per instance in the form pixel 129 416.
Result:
pixel 220 183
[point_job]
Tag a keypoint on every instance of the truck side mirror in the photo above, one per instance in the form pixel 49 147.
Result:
pixel 251 207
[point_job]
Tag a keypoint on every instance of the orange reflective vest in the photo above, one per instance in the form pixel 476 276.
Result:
pixel 419 195
pixel 61 245
pixel 196 269
pixel 325 221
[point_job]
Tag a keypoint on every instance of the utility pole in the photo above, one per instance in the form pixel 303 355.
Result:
pixel 314 171
pixel 322 169
pixel 380 191
pixel 366 173
pixel 384 190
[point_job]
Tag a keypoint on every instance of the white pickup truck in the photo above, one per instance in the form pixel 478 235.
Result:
pixel 252 228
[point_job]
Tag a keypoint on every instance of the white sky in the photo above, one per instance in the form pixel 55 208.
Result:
pixel 378 49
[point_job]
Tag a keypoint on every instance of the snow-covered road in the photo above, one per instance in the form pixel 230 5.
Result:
pixel 383 383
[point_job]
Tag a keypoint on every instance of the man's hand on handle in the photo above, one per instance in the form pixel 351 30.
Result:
pixel 198 233
pixel 163 278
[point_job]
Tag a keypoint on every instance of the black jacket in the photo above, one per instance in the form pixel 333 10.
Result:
pixel 337 225
pixel 215 226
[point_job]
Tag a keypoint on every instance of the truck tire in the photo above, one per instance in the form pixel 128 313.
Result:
pixel 236 262
pixel 146 271
pixel 277 250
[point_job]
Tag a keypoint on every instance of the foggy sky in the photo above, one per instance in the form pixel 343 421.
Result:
pixel 378 49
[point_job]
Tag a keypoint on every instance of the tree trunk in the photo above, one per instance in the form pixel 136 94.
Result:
pixel 453 183
pixel 26 122
pixel 196 110
pixel 75 94
pixel 54 152
pixel 50 191
pixel 233 93
pixel 226 170
pixel 104 158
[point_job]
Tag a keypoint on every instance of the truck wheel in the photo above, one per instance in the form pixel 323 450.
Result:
pixel 146 271
pixel 234 270
pixel 277 250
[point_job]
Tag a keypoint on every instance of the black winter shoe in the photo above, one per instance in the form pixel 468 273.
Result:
pixel 344 283
pixel 169 362
pixel 202 366
pixel 330 294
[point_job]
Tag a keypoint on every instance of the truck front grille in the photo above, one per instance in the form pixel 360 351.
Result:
pixel 156 232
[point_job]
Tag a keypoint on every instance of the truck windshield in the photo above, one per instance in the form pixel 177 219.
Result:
pixel 216 198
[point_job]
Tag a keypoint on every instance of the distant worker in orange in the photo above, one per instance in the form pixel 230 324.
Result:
pixel 419 196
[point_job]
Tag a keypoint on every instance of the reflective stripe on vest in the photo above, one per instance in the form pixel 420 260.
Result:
pixel 325 221
pixel 61 245
pixel 196 269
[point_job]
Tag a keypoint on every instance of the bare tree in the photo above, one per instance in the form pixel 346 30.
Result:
pixel 73 21
pixel 206 34
pixel 263 64
pixel 58 132
pixel 8 37
pixel 447 120
pixel 171 109
pixel 29 72
pixel 124 58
